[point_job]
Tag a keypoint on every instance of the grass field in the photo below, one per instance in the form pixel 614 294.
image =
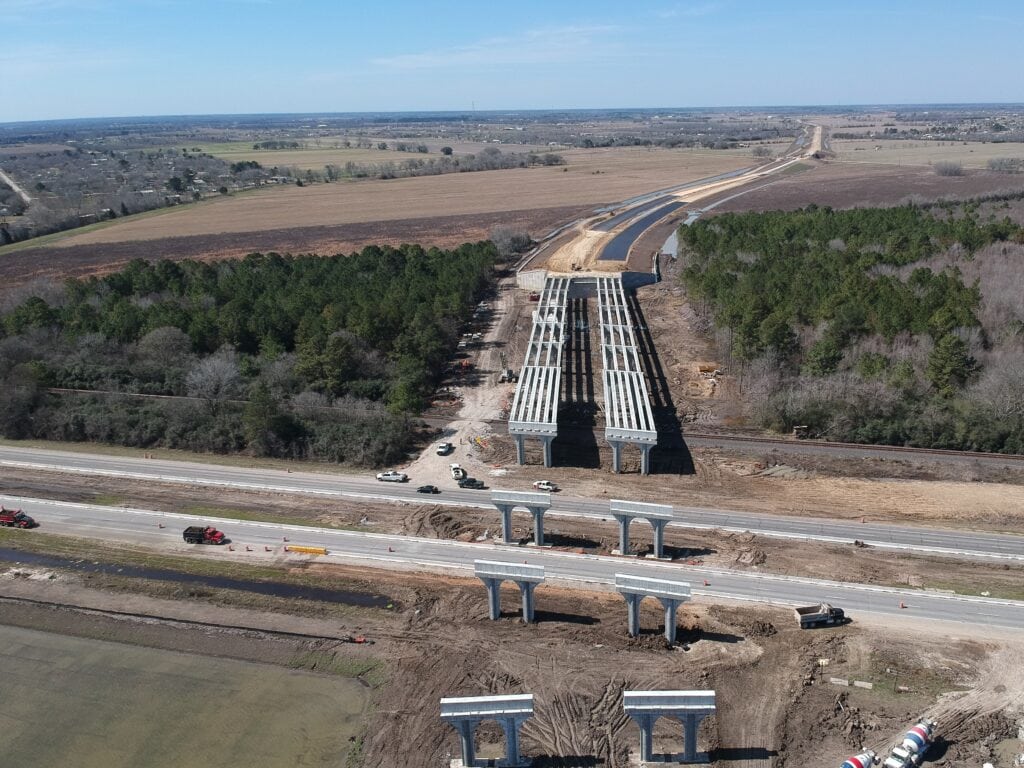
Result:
pixel 969 154
pixel 592 177
pixel 94 704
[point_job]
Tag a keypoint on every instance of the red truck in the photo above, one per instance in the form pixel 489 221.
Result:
pixel 15 518
pixel 198 534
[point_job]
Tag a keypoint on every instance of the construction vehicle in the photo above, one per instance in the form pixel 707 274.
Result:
pixel 821 615
pixel 15 518
pixel 199 534
pixel 458 473
pixel 911 750
pixel 864 760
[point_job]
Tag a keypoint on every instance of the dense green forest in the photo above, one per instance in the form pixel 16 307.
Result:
pixel 306 356
pixel 899 325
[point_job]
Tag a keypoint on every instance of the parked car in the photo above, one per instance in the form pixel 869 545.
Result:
pixel 471 482
pixel 443 449
pixel 392 476
pixel 428 489
pixel 545 485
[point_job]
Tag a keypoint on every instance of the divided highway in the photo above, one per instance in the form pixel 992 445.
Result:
pixel 963 543
pixel 143 526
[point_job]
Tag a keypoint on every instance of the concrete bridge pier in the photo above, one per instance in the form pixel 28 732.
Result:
pixel 645 458
pixel 646 725
pixel 659 537
pixel 691 722
pixel 510 712
pixel 467 731
pixel 616 455
pixel 493 597
pixel 547 449
pixel 520 449
pixel 624 521
pixel 689 707
pixel 526 587
pixel 671 605
pixel 633 610
pixel 538 525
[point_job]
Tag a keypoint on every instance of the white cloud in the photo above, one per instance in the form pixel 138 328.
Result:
pixel 539 46
pixel 689 11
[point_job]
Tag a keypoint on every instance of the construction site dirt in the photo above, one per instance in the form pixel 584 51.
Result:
pixel 777 704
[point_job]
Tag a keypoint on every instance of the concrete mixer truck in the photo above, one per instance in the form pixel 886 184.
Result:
pixel 910 752
pixel 865 759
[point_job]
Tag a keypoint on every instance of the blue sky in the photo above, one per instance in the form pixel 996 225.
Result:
pixel 94 58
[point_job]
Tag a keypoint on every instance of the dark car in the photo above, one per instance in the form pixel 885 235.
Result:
pixel 428 489
pixel 471 482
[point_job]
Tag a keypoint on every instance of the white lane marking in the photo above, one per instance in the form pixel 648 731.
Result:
pixel 680 570
pixel 969 553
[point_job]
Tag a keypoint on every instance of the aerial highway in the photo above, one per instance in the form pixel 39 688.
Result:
pixel 964 543
pixel 253 539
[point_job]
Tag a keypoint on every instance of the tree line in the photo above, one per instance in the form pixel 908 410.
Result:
pixel 860 324
pixel 319 357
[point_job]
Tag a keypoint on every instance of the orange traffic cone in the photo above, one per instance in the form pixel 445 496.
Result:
pixel 284 538
pixel 231 548
pixel 390 549
pixel 707 583
pixel 248 548
pixel 159 525
pixel 902 604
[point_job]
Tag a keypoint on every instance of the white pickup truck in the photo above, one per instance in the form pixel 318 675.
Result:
pixel 458 473
pixel 392 476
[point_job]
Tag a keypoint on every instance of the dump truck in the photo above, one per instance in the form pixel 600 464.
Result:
pixel 821 615
pixel 199 534
pixel 910 751
pixel 15 518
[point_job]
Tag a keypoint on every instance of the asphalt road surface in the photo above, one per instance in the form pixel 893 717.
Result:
pixel 252 540
pixel 965 543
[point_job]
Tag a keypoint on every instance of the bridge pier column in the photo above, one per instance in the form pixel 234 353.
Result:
pixel 506 522
pixel 493 597
pixel 624 521
pixel 511 726
pixel 646 724
pixel 690 723
pixel 659 537
pixel 520 449
pixel 547 450
pixel 466 732
pixel 526 587
pixel 645 458
pixel 538 525
pixel 670 606
pixel 633 611
pixel 616 455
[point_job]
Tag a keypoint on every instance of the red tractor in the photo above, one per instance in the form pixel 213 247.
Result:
pixel 15 518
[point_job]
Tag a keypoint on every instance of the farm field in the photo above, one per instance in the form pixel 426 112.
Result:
pixel 969 154
pixel 592 177
pixel 87 702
